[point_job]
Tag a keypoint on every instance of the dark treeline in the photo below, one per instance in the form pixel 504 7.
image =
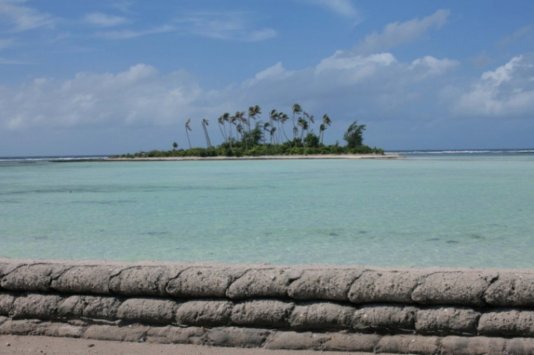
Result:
pixel 250 134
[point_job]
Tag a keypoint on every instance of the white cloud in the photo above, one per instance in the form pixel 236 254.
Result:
pixel 434 65
pixel 24 18
pixel 129 34
pixel 228 25
pixel 504 92
pixel 104 20
pixel 397 33
pixel 340 7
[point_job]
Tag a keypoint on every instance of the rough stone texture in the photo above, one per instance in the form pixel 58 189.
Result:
pixel 511 289
pixel 455 345
pixel 33 277
pixel 447 288
pixel 408 344
pixel 176 335
pixel 204 313
pixel 520 346
pixel 351 342
pixel 257 283
pixel 296 341
pixel 6 303
pixel 133 333
pixel 376 287
pixel 203 282
pixel 507 323
pixel 143 281
pixel 262 313
pixel 89 307
pixel 322 316
pixel 35 306
pixel 384 318
pixel 37 327
pixel 328 284
pixel 146 310
pixel 236 337
pixel 89 279
pixel 447 320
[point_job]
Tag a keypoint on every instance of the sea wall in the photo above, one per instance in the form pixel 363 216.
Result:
pixel 421 311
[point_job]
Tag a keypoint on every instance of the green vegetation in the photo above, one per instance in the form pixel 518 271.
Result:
pixel 246 134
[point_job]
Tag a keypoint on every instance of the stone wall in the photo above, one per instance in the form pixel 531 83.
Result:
pixel 433 311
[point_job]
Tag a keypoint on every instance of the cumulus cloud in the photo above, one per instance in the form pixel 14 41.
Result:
pixel 104 20
pixel 506 91
pixel 24 18
pixel 398 33
pixel 340 7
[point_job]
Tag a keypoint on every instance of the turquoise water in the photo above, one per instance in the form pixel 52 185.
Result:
pixel 469 211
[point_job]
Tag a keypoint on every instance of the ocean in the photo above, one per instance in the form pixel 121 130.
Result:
pixel 430 208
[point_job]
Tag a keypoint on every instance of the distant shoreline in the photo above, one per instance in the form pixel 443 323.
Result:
pixel 260 157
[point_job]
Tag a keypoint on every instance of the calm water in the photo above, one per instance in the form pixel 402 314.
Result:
pixel 474 210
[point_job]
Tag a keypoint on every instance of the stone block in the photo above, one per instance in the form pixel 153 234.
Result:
pixel 147 310
pixel 262 313
pixel 143 280
pixel 204 313
pixel 32 277
pixel 507 323
pixel 351 342
pixel 408 344
pixel 6 303
pixel 258 283
pixel 327 284
pixel 133 333
pixel 455 345
pixel 88 279
pixel 203 282
pixel 520 346
pixel 511 290
pixel 296 341
pixel 94 307
pixel 464 288
pixel 321 316
pixel 384 318
pixel 35 306
pixel 447 321
pixel 236 337
pixel 387 286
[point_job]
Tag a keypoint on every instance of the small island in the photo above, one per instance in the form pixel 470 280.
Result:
pixel 280 135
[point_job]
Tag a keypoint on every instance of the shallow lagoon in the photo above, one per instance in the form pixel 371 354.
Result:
pixel 429 210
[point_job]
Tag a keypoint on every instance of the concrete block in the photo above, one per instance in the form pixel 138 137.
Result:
pixel 35 306
pixel 258 283
pixel 408 344
pixel 511 290
pixel 321 316
pixel 204 313
pixel 351 342
pixel 86 279
pixel 507 323
pixel 262 313
pixel 94 307
pixel 387 286
pixel 203 282
pixel 455 345
pixel 147 310
pixel 327 284
pixel 32 277
pixel 447 321
pixel 384 318
pixel 464 288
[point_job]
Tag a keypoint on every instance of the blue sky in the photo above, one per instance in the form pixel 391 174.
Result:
pixel 99 77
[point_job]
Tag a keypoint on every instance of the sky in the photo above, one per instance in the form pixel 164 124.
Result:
pixel 92 77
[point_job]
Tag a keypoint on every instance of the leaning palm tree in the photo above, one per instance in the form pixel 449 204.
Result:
pixel 187 130
pixel 304 125
pixel 205 124
pixel 326 123
pixel 282 119
pixel 222 127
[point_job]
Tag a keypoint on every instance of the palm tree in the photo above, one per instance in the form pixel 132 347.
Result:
pixel 304 125
pixel 282 119
pixel 222 127
pixel 205 124
pixel 187 130
pixel 326 123
pixel 297 109
pixel 174 145
pixel 253 111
